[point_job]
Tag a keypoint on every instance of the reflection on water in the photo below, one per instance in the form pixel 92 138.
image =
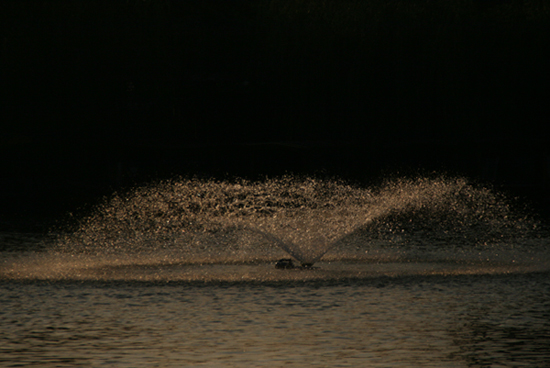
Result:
pixel 39 266
pixel 405 321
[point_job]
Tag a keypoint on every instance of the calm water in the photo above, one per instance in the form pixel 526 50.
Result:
pixel 450 320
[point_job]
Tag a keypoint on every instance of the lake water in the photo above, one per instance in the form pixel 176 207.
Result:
pixel 394 314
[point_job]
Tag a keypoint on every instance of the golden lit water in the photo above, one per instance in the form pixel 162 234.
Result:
pixel 463 320
pixel 140 268
pixel 395 309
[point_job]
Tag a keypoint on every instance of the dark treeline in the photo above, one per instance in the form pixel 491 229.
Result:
pixel 99 94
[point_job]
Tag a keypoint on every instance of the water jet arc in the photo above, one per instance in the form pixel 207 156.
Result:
pixel 298 221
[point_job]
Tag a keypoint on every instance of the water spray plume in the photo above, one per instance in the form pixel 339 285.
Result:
pixel 208 221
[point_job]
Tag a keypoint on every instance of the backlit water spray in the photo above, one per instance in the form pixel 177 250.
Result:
pixel 195 229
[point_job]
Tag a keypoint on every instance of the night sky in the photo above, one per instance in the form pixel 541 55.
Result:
pixel 98 96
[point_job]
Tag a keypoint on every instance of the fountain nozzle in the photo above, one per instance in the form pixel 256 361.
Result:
pixel 285 264
pixel 288 264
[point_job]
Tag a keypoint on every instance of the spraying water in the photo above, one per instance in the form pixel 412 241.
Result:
pixel 438 271
pixel 208 222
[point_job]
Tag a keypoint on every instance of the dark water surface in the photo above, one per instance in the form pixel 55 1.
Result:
pixel 479 320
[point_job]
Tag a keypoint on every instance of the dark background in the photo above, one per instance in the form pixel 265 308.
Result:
pixel 98 96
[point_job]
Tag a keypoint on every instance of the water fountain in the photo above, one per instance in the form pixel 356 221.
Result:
pixel 438 271
pixel 179 227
